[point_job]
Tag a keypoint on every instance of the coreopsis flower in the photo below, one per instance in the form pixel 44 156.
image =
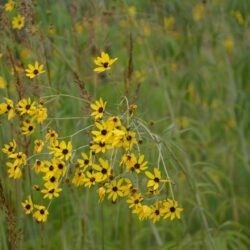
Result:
pixel 91 178
pixel 51 135
pixel 51 193
pixel 26 106
pixel 41 213
pixel 85 162
pixel 156 211
pixel 128 160
pixel 9 6
pixel 14 170
pixel 103 133
pixel 154 179
pixel 9 148
pixel 101 192
pixel 171 209
pixel 40 114
pixel 103 62
pixel 33 71
pixel 59 167
pixel 8 108
pixel 38 166
pixel 51 180
pixel 28 127
pixel 114 189
pixel 79 177
pixel 98 147
pixel 140 165
pixel 98 108
pixel 104 169
pixel 113 122
pixel 143 211
pixel 134 200
pixel 28 205
pixel 129 139
pixel 64 150
pixel 19 158
pixel 39 144
pixel 18 22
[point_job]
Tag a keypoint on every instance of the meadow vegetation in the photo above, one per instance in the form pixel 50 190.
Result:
pixel 124 124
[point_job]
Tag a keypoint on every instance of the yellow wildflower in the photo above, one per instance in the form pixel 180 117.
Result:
pixel 98 108
pixel 33 71
pixel 9 6
pixel 41 214
pixel 171 209
pixel 198 12
pixel 2 83
pixel 28 205
pixel 103 62
pixel 18 22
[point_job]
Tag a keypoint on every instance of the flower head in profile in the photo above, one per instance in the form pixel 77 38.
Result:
pixel 18 22
pixel 33 71
pixel 103 62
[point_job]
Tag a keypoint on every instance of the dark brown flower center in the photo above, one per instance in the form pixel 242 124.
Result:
pixel 157 212
pixel 41 211
pixel 60 166
pixel 137 166
pixel 172 209
pixel 92 179
pixel 51 191
pixel 52 179
pixel 102 144
pixel 35 71
pixel 156 179
pixel 27 107
pixel 51 167
pixel 104 171
pixel 115 189
pixel 129 137
pixel 8 107
pixel 105 65
pixel 100 110
pixel 30 128
pixel 86 161
pixel 65 151
pixel 104 132
pixel 28 206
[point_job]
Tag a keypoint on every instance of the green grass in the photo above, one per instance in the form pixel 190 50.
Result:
pixel 207 158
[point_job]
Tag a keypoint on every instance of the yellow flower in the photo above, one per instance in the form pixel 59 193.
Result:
pixel 63 151
pixel 26 106
pixel 128 160
pixel 18 22
pixel 114 189
pixel 98 108
pixel 9 148
pixel 14 170
pixel 38 166
pixel 40 114
pixel 104 169
pixel 91 179
pixel 101 192
pixel 51 192
pixel 171 209
pixel 2 83
pixel 28 205
pixel 28 127
pixel 143 211
pixel 51 136
pixel 239 17
pixel 135 200
pixel 156 211
pixel 20 158
pixel 85 162
pixel 9 6
pixel 79 178
pixel 41 214
pixel 38 146
pixel 8 108
pixel 59 167
pixel 33 71
pixel 198 12
pixel 140 165
pixel 103 62
pixel 155 179
pixel 103 134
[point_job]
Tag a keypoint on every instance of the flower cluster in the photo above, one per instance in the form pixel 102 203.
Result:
pixel 116 166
